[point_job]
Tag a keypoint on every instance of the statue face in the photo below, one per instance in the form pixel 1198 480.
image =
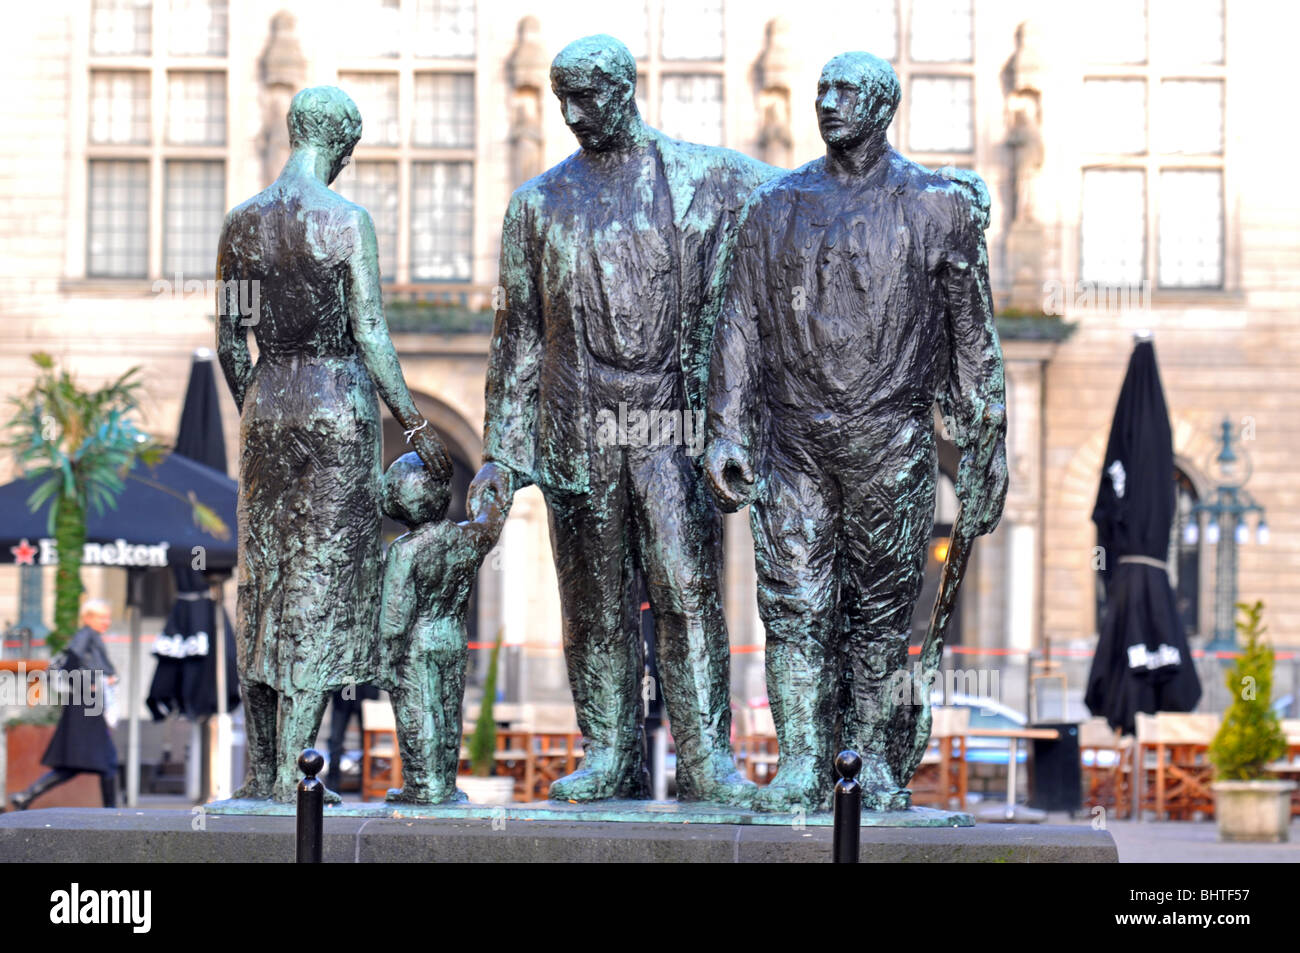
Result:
pixel 594 106
pixel 843 111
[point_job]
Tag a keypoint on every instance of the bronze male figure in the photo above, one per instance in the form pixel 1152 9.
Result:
pixel 606 262
pixel 858 293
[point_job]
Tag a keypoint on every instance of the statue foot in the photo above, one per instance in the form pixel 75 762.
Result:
pixel 796 786
pixel 880 791
pixel 253 791
pixel 434 795
pixel 718 782
pixel 593 785
pixel 899 799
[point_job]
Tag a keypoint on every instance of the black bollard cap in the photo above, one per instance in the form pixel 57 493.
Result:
pixel 848 764
pixel 310 762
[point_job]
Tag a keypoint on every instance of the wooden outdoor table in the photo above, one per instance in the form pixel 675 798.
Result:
pixel 1014 737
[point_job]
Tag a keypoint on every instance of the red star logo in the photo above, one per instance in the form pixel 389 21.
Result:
pixel 24 553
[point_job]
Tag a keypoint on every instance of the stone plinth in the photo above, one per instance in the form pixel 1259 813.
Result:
pixel 73 835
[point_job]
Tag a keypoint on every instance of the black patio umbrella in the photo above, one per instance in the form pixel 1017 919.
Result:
pixel 185 679
pixel 1143 662
pixel 152 524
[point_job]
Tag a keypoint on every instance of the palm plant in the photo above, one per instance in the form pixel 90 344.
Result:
pixel 78 445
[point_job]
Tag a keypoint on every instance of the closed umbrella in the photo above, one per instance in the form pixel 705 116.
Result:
pixel 1143 662
pixel 185 679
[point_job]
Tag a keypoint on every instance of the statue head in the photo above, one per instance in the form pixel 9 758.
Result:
pixel 594 79
pixel 325 119
pixel 411 493
pixel 856 98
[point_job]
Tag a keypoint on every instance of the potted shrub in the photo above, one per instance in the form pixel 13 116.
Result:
pixel 1248 804
pixel 481 784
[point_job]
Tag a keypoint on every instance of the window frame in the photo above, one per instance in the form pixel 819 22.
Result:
pixel 156 152
pixel 1158 67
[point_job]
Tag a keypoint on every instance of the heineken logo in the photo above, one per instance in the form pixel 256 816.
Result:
pixel 117 553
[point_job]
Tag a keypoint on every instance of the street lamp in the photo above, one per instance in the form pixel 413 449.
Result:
pixel 1227 508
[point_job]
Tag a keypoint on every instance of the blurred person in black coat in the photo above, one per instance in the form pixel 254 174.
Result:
pixel 82 741
pixel 346 706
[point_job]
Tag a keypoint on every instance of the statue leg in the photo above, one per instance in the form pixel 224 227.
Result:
pixel 602 640
pixel 427 704
pixel 794 554
pixel 679 539
pixel 300 718
pixel 261 704
pixel 883 567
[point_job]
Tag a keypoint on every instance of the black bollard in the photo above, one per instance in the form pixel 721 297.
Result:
pixel 848 808
pixel 311 808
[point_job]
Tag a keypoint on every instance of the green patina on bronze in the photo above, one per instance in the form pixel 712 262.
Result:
pixel 624 811
pixel 856 294
pixel 607 261
pixel 309 469
pixel 428 575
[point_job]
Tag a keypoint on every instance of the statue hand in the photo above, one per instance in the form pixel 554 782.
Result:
pixel 494 483
pixel 730 474
pixel 429 446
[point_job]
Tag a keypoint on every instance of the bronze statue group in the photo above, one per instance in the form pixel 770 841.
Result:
pixel 812 317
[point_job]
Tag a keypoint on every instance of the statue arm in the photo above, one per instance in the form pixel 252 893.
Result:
pixel 370 331
pixel 482 532
pixel 515 357
pixel 974 395
pixel 733 365
pixel 232 332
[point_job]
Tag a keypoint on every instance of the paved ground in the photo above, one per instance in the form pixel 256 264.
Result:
pixel 1194 842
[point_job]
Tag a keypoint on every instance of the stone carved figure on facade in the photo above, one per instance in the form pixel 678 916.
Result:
pixel 527 70
pixel 283 71
pixel 1022 82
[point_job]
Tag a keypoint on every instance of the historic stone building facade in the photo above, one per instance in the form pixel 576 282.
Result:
pixel 1130 148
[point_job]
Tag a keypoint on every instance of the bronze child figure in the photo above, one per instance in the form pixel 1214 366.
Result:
pixel 428 575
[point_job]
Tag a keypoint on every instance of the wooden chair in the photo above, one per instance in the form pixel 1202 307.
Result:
pixel 942 777
pixel 1174 771
pixel 381 765
pixel 1106 761
pixel 1289 767
pixel 556 745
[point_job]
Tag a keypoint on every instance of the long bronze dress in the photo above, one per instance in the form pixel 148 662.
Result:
pixel 310 467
